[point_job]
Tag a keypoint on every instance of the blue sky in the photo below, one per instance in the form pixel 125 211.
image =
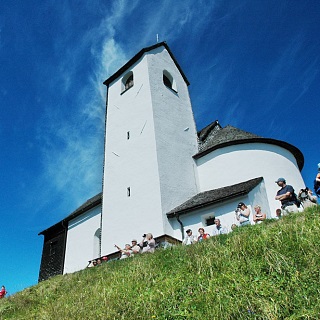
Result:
pixel 253 64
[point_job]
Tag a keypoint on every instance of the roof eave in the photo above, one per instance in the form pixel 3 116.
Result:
pixel 203 205
pixel 73 215
pixel 294 150
pixel 133 60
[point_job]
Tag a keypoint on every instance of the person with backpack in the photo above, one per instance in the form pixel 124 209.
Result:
pixel 307 198
pixel 317 182
pixel 287 197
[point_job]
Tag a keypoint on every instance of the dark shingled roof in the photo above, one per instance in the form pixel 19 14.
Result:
pixel 138 56
pixel 89 204
pixel 215 137
pixel 214 196
pixel 208 131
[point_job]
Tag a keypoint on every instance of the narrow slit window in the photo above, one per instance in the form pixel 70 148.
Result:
pixel 128 135
pixel 128 192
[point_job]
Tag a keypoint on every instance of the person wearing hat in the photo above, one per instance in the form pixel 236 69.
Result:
pixel 134 246
pixel 190 238
pixel 242 214
pixel 286 196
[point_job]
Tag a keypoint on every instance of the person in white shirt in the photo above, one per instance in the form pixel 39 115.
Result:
pixel 126 252
pixel 190 238
pixel 258 216
pixel 135 247
pixel 218 228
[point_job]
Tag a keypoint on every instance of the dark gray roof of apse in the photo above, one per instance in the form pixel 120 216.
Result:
pixel 209 129
pixel 138 56
pixel 214 196
pixel 89 204
pixel 230 135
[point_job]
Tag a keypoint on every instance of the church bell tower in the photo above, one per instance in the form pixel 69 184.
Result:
pixel 149 143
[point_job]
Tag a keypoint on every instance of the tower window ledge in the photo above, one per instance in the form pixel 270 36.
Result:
pixel 174 91
pixel 125 90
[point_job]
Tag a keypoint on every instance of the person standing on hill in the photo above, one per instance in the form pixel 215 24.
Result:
pixel 3 292
pixel 286 196
pixel 317 182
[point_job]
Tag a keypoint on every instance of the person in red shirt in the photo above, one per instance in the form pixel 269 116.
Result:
pixel 3 292
pixel 203 235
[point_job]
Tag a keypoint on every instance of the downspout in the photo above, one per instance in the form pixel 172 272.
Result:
pixel 181 225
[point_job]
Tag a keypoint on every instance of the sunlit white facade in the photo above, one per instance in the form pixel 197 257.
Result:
pixel 161 175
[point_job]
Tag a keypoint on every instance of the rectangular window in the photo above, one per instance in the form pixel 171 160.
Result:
pixel 210 221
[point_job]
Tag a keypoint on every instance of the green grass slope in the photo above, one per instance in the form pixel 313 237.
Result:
pixel 267 271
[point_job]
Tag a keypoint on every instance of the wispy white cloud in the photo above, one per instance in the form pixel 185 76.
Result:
pixel 307 78
pixel 169 21
pixel 72 146
pixel 283 87
pixel 281 67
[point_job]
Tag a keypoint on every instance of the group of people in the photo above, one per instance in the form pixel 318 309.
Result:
pixel 242 215
pixel 147 245
pixel 290 202
pixel 191 239
pixel 286 195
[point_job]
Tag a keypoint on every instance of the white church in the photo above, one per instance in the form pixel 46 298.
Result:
pixel 160 174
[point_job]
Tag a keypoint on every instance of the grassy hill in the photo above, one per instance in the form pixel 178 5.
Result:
pixel 267 271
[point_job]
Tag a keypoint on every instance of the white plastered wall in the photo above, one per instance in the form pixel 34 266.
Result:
pixel 175 134
pixel 225 211
pixel 82 244
pixel 238 163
